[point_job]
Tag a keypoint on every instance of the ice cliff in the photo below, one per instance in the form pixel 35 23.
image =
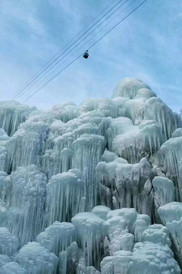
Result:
pixel 92 189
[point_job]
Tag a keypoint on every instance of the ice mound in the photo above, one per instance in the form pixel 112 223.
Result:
pixel 90 231
pixel 12 268
pixel 129 88
pixel 151 255
pixel 35 259
pixel 85 189
pixel 57 237
pixel 4 259
pixel 9 243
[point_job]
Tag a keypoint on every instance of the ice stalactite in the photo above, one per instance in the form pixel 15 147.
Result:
pixel 27 145
pixel 90 232
pixel 3 151
pixel 64 196
pixel 125 185
pixel 171 216
pixel 12 114
pixel 169 160
pixel 57 237
pixel 36 259
pixel 134 108
pixel 87 151
pixel 133 142
pixel 164 191
pixel 26 202
pixel 156 110
pixel 80 186
pixel 137 141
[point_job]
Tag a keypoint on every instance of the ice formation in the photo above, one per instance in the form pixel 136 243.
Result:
pixel 91 189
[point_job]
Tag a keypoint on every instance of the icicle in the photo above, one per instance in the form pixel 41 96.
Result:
pixel 87 151
pixel 90 231
pixel 64 193
pixel 12 114
pixel 27 202
pixel 57 237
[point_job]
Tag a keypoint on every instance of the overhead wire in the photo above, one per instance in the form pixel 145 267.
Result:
pixel 93 44
pixel 91 38
pixel 79 42
pixel 60 53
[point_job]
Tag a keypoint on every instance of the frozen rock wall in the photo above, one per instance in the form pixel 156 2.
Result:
pixel 91 189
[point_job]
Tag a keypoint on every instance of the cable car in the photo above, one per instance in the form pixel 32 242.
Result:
pixel 86 55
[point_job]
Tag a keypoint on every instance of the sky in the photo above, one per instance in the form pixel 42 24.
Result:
pixel 147 46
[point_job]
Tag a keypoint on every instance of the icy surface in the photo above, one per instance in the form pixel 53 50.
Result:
pixel 91 189
pixel 12 114
pixel 35 259
pixel 12 268
pixel 171 216
pixel 64 195
pixel 26 201
pixel 57 237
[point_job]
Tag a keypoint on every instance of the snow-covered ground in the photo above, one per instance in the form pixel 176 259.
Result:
pixel 92 189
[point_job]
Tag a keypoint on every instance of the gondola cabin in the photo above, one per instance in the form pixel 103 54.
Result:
pixel 86 55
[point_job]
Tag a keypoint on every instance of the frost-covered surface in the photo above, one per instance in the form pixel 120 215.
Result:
pixel 36 259
pixel 85 189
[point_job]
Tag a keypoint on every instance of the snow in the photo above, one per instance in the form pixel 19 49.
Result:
pixel 91 189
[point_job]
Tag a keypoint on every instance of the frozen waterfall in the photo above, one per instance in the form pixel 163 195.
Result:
pixel 92 189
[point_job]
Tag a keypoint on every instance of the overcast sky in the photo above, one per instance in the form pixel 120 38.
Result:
pixel 147 46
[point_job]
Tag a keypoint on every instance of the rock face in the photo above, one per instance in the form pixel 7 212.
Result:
pixel 92 189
